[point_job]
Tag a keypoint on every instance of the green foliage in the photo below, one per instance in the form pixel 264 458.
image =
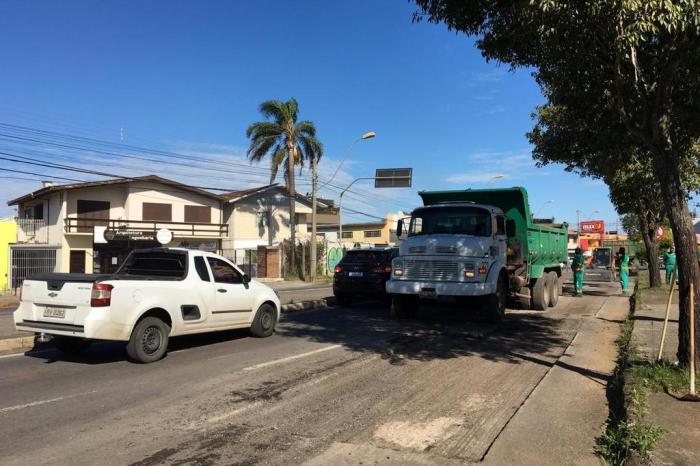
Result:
pixel 662 376
pixel 621 439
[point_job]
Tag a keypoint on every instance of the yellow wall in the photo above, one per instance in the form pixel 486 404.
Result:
pixel 8 234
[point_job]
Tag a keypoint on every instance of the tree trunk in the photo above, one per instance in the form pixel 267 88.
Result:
pixel 313 219
pixel 648 232
pixel 675 200
pixel 291 158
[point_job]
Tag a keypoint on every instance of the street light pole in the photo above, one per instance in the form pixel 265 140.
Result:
pixel 495 177
pixel 340 207
pixel 367 135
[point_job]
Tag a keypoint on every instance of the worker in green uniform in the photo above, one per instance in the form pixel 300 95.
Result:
pixel 577 268
pixel 669 263
pixel 624 264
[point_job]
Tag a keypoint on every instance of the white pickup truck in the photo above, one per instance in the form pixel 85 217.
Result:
pixel 157 293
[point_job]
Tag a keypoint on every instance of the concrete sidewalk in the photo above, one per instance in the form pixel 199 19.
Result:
pixel 681 443
pixel 562 418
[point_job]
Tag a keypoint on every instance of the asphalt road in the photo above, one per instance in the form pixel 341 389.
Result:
pixel 443 386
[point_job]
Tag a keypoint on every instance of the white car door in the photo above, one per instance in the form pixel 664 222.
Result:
pixel 233 302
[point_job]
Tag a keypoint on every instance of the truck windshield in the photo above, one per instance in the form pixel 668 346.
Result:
pixel 170 264
pixel 450 221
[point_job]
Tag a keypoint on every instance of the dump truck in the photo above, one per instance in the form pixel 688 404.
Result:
pixel 477 246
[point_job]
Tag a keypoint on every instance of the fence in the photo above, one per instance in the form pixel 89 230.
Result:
pixel 30 230
pixel 26 261
pixel 245 259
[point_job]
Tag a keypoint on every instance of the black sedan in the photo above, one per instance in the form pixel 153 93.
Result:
pixel 363 273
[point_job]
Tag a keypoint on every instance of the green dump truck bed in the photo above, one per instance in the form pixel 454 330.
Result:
pixel 534 247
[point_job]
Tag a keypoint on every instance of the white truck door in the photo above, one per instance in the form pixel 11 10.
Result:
pixel 233 302
pixel 501 237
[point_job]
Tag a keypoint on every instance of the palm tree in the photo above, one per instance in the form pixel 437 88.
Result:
pixel 288 143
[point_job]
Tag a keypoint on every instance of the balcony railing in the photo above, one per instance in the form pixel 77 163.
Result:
pixel 146 229
pixel 32 230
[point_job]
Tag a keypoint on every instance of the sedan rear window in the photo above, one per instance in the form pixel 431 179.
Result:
pixel 373 257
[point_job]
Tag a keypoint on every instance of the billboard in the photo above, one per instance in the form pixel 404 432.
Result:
pixel 592 226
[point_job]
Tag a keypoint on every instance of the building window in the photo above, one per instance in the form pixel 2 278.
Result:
pixel 373 233
pixel 157 212
pixel 197 214
pixel 347 234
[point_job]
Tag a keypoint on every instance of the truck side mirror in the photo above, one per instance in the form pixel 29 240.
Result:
pixel 510 228
pixel 399 227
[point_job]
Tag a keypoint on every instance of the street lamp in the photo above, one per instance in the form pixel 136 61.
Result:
pixel 550 201
pixel 364 137
pixel 340 207
pixel 493 178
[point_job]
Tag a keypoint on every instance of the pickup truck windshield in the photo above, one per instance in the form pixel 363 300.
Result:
pixel 170 264
pixel 450 221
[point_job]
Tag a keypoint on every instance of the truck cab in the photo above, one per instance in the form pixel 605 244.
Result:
pixel 451 246
pixel 481 244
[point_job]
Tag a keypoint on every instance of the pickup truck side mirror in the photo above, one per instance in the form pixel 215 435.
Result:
pixel 510 228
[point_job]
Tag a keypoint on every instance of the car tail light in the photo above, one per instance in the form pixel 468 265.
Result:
pixel 338 268
pixel 101 295
pixel 381 269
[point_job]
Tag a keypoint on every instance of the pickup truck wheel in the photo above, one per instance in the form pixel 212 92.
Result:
pixel 71 345
pixel 540 294
pixel 553 284
pixel 264 321
pixel 495 304
pixel 149 340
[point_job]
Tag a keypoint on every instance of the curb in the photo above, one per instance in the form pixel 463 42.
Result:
pixel 26 343
pixel 16 344
pixel 308 305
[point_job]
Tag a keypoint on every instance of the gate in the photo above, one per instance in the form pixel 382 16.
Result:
pixel 245 259
pixel 28 260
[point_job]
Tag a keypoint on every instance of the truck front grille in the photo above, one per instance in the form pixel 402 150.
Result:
pixel 446 271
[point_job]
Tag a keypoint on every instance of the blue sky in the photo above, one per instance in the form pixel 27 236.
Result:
pixel 187 77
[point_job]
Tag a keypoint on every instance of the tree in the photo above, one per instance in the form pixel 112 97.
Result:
pixel 624 70
pixel 288 143
pixel 634 191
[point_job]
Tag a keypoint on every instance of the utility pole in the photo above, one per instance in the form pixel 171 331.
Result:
pixel 314 182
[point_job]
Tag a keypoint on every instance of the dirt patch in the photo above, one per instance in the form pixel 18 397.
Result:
pixel 417 435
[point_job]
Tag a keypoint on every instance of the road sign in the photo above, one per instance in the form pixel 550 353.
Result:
pixel 393 178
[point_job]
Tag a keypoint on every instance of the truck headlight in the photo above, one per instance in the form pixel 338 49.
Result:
pixel 397 265
pixel 469 270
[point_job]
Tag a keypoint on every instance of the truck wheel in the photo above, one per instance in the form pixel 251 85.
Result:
pixel 540 294
pixel 553 283
pixel 264 321
pixel 495 304
pixel 71 345
pixel 404 306
pixel 149 340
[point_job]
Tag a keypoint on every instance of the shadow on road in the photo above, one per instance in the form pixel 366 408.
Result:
pixel 437 333
pixel 105 352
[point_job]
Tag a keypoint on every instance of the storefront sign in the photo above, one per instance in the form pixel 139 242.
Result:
pixel 593 226
pixel 164 236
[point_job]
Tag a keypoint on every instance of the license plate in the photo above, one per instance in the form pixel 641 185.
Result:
pixel 427 294
pixel 355 274
pixel 55 312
